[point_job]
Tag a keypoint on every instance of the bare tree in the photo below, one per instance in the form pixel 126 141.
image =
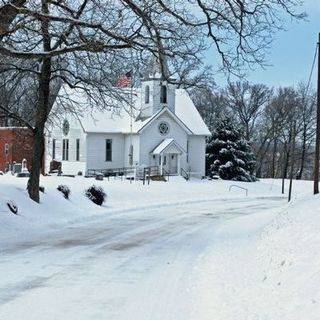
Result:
pixel 64 40
pixel 247 102
pixel 306 118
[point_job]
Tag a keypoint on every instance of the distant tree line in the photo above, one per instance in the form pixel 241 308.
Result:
pixel 271 119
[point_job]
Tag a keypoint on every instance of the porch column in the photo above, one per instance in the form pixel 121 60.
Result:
pixel 179 164
pixel 161 163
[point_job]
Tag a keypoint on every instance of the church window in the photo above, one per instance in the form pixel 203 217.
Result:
pixel 163 96
pixel 147 95
pixel 163 128
pixel 77 149
pixel 53 148
pixel 65 149
pixel 108 149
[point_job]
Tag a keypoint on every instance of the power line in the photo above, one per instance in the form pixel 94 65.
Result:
pixel 312 68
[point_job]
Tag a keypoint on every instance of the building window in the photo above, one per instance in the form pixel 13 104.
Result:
pixel 6 149
pixel 188 151
pixel 108 149
pixel 163 128
pixel 65 149
pixel 147 95
pixel 163 95
pixel 53 148
pixel 77 149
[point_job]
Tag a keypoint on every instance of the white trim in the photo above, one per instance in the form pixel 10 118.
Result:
pixel 164 144
pixel 161 112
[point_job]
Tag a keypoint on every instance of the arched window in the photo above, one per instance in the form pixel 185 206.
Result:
pixel 147 94
pixel 163 96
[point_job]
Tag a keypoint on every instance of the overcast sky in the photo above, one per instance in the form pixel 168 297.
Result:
pixel 292 52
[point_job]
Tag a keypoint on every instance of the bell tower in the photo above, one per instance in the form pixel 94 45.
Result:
pixel 157 92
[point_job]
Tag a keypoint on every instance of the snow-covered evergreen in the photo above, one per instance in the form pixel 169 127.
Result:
pixel 228 154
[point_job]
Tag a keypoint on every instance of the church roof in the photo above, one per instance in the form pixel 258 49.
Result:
pixel 104 121
pixel 167 144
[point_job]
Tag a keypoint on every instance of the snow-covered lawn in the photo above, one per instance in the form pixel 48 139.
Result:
pixel 176 250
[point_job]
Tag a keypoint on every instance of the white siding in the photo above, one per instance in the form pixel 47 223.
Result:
pixel 150 138
pixel 136 145
pixel 76 132
pixel 96 151
pixel 197 150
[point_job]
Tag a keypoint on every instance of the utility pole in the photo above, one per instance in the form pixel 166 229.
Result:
pixel 292 147
pixel 317 147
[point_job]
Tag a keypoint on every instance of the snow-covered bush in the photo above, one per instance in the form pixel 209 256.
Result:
pixel 64 190
pixel 229 155
pixel 96 195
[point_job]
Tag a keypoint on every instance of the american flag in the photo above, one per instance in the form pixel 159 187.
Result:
pixel 125 80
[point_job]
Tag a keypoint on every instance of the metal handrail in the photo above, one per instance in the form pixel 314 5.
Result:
pixel 185 174
pixel 234 185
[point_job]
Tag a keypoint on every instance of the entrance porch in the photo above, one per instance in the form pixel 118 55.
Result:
pixel 167 155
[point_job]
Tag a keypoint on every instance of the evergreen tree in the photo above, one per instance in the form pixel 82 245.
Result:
pixel 229 155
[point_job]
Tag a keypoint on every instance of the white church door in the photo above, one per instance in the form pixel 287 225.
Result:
pixel 166 163
pixel 173 163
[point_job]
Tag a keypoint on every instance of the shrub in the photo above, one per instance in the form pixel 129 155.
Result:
pixel 64 190
pixel 12 206
pixel 96 195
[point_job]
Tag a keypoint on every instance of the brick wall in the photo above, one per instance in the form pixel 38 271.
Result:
pixel 19 142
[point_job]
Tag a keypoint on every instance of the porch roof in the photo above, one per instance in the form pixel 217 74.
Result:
pixel 167 146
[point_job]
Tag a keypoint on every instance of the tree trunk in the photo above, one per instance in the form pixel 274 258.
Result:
pixel 43 110
pixel 303 153
pixel 274 155
pixel 261 161
pixel 41 118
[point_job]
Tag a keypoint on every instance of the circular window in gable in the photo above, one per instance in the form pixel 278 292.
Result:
pixel 65 127
pixel 163 128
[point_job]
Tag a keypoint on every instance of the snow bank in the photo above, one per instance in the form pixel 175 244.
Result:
pixel 54 210
pixel 266 267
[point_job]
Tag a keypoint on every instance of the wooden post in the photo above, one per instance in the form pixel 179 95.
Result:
pixel 317 147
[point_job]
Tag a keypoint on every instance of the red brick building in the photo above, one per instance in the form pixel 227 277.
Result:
pixel 15 145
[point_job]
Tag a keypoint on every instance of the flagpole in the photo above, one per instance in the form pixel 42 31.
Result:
pixel 131 115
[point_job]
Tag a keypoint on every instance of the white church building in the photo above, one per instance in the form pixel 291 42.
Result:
pixel 167 132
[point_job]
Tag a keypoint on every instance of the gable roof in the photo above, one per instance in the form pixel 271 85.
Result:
pixel 105 121
pixel 148 121
pixel 165 145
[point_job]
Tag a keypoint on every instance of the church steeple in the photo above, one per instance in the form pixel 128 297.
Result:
pixel 157 92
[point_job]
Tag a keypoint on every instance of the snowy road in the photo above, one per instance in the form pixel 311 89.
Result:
pixel 135 264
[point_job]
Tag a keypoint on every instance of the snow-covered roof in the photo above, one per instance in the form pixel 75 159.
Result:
pixel 167 144
pixel 104 121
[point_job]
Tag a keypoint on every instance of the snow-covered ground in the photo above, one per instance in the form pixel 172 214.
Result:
pixel 176 250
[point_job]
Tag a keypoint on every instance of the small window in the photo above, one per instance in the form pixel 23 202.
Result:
pixel 6 148
pixel 108 149
pixel 163 128
pixel 165 160
pixel 163 96
pixel 65 149
pixel 187 151
pixel 77 149
pixel 53 148
pixel 147 95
